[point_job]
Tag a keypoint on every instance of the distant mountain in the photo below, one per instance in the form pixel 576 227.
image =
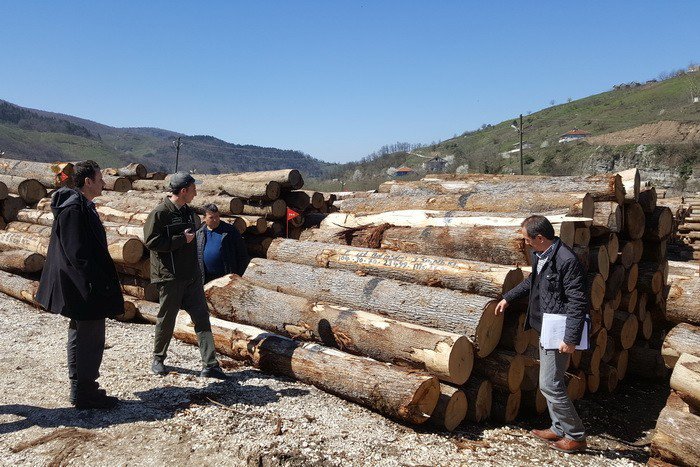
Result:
pixel 46 136
pixel 653 125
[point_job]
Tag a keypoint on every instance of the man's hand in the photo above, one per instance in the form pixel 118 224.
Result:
pixel 189 235
pixel 501 307
pixel 566 348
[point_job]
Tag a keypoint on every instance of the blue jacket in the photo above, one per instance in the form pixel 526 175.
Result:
pixel 234 250
pixel 560 288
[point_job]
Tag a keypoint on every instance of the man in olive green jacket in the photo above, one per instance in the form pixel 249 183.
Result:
pixel 169 233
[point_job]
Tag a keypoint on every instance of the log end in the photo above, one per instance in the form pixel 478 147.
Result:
pixel 461 360
pixel 488 331
pixel 425 398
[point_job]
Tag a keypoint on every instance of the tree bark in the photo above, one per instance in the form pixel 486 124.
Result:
pixel 117 183
pixel 647 200
pixel 390 390
pixel 21 261
pixel 138 288
pixel 18 287
pixel 29 189
pixel 451 408
pixel 659 224
pixel 469 276
pixel 677 432
pixel 631 182
pixel 297 199
pixel 479 392
pixel 275 210
pixel 419 304
pixel 133 171
pixel 287 178
pixel 683 338
pixel 686 380
pixel 504 368
pixel 682 300
pixel 52 175
pixel 445 355
pixel 608 214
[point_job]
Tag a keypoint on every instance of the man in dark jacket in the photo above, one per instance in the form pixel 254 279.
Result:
pixel 79 281
pixel 220 247
pixel 169 233
pixel 557 285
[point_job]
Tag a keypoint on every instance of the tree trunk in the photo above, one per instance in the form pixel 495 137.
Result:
pixel 647 200
pixel 287 178
pixel 450 410
pixel 629 302
pixel 447 356
pixel 619 360
pixel 631 181
pixel 608 377
pixel 141 269
pixel 390 390
pixel 29 189
pixel 631 278
pixel 117 183
pixel 297 199
pixel 677 432
pixel 659 224
pixel 627 254
pixel 655 251
pixel 597 292
pixel 21 261
pixel 133 171
pixel 10 206
pixel 275 210
pixel 682 300
pixel 513 335
pixel 685 379
pixel 650 279
pixel 505 405
pixel 419 304
pixel 634 221
pixel 624 328
pixel 18 287
pixel 599 261
pixel 317 199
pixel 257 245
pixel 607 239
pixel 479 392
pixel 470 276
pixel 52 175
pixel 644 362
pixel 505 369
pixel 214 185
pixel 142 202
pixel 139 288
pixel 608 214
pixel 590 360
pixel 683 338
pixel 156 175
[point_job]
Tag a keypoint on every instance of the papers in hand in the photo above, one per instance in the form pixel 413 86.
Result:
pixel 553 329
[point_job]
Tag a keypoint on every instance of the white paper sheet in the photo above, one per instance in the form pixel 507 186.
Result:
pixel 553 330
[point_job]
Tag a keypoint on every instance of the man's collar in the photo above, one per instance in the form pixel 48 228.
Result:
pixel 549 250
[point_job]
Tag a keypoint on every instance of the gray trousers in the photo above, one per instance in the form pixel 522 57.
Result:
pixel 565 419
pixel 187 295
pixel 86 345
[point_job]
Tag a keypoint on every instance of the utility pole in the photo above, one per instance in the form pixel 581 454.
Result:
pixel 177 145
pixel 522 170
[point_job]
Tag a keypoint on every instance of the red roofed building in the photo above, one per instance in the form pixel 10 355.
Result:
pixel 403 171
pixel 573 135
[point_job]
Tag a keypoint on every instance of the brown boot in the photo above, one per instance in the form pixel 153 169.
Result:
pixel 569 445
pixel 547 435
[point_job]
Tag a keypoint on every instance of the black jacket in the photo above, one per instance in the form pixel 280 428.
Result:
pixel 560 288
pixel 79 279
pixel 234 250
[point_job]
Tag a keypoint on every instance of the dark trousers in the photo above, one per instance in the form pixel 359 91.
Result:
pixel 86 344
pixel 189 296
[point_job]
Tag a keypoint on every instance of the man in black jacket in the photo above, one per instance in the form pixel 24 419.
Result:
pixel 220 247
pixel 557 285
pixel 79 281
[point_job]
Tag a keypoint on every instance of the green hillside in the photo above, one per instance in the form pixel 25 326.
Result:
pixel 620 109
pixel 45 136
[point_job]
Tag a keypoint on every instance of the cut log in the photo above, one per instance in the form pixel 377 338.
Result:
pixel 139 288
pixel 275 210
pixel 575 384
pixel 451 408
pixel 598 285
pixel 446 355
pixel 470 276
pixel 479 392
pixel 631 181
pixel 133 171
pixel 641 310
pixel 392 391
pixel 513 335
pixel 52 175
pixel 531 375
pixel 505 405
pixel 629 301
pixel 624 328
pixel 255 223
pixel 686 380
pixel 659 224
pixel 504 368
pixel 115 183
pixel 650 279
pixel 647 200
pixel 156 175
pixel 317 199
pixel 140 202
pixel 677 432
pixel 631 278
pixel 10 206
pixel 35 216
pixel 21 261
pixel 590 360
pixel 129 309
pixel 683 338
pixel 29 189
pixel 403 301
pixel 608 314
pixel 287 178
pixel 619 360
pixel 18 287
pixel 297 199
pixel 532 402
pixel 257 245
pixel 615 281
pixel 634 221
pixel 608 377
pixel 655 252
pixel 592 382
pixel 140 269
pixel 627 254
pixel 644 362
pixel 608 214
pixel 599 261
pixel 682 300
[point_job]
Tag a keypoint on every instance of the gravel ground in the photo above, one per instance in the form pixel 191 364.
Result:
pixel 252 419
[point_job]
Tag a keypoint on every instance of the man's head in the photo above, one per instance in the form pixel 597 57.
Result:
pixel 183 186
pixel 88 178
pixel 212 218
pixel 537 232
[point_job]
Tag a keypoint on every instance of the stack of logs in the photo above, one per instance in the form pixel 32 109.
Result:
pixel 689 225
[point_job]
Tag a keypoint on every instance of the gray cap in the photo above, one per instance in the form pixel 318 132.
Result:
pixel 181 180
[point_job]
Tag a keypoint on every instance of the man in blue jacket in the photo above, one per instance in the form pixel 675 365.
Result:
pixel 79 281
pixel 557 285
pixel 220 247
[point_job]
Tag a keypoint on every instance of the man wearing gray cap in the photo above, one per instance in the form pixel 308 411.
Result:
pixel 169 233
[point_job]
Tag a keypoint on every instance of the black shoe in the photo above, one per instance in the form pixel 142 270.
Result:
pixel 97 400
pixel 75 390
pixel 158 368
pixel 213 372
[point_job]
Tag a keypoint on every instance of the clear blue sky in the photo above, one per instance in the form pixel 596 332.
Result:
pixel 335 79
